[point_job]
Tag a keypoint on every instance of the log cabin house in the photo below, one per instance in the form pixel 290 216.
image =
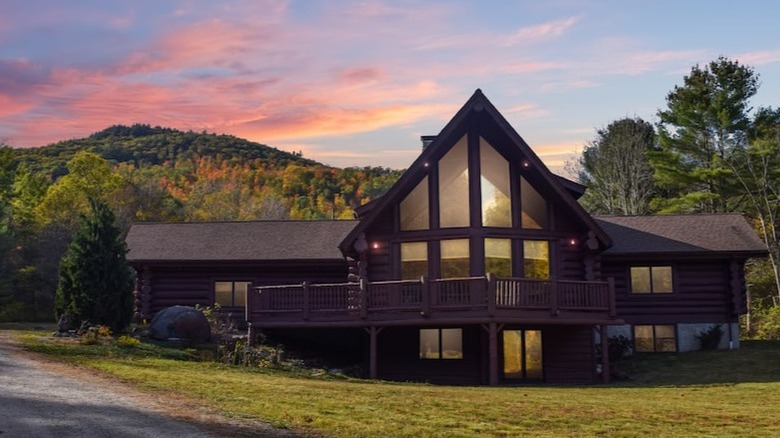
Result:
pixel 477 267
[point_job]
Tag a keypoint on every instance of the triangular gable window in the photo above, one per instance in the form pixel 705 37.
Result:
pixel 414 208
pixel 454 186
pixel 534 207
pixel 494 181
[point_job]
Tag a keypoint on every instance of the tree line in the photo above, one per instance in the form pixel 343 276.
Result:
pixel 144 173
pixel 709 152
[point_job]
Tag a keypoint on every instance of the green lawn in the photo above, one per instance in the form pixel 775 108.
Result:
pixel 723 393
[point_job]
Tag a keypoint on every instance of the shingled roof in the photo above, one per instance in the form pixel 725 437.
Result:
pixel 689 234
pixel 237 241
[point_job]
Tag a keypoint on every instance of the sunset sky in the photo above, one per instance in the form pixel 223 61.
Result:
pixel 355 83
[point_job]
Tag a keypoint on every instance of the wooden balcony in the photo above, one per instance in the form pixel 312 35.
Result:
pixel 441 301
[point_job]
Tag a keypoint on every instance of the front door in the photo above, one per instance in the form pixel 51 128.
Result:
pixel 522 354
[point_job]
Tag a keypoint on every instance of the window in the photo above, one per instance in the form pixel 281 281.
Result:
pixel 536 259
pixel 654 338
pixel 455 261
pixel 534 207
pixel 522 354
pixel 494 180
pixel 230 293
pixel 414 260
pixel 498 257
pixel 651 279
pixel 414 208
pixel 454 186
pixel 441 343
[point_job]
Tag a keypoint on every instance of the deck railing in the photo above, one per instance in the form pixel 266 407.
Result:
pixel 489 294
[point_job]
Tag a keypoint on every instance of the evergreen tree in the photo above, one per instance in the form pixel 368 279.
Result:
pixel 616 170
pixel 705 122
pixel 95 283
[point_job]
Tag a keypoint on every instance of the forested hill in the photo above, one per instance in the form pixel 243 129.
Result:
pixel 146 145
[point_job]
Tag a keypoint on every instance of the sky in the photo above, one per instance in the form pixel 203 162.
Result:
pixel 356 83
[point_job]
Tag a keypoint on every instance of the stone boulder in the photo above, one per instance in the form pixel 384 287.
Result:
pixel 182 324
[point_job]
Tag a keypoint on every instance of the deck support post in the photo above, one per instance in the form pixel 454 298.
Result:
pixel 373 369
pixel 493 353
pixel 305 300
pixel 604 353
pixel 611 297
pixel 251 334
pixel 491 294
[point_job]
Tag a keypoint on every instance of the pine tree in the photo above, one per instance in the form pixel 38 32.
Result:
pixel 95 283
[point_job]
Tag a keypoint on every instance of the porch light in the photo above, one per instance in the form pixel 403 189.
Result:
pixel 572 242
pixel 526 164
pixel 375 245
pixel 426 164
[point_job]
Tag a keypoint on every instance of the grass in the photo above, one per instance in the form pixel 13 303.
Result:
pixel 720 393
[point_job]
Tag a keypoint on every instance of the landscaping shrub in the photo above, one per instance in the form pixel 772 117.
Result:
pixel 710 338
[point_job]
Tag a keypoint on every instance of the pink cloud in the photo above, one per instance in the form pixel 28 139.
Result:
pixel 541 31
pixel 759 58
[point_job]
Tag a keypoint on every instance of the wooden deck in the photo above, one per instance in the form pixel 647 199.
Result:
pixel 440 301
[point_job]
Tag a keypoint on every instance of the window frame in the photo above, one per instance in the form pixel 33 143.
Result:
pixel 440 333
pixel 652 291
pixel 232 293
pixel 655 338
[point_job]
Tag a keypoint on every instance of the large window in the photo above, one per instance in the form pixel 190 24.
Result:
pixel 414 208
pixel 455 261
pixel 454 186
pixel 230 293
pixel 651 279
pixel 494 180
pixel 654 338
pixel 534 207
pixel 414 260
pixel 522 354
pixel 498 257
pixel 536 259
pixel 441 343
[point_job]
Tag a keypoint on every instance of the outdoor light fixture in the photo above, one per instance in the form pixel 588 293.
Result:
pixel 375 245
pixel 526 164
pixel 425 164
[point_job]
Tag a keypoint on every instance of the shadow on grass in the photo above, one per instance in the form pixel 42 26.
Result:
pixel 753 362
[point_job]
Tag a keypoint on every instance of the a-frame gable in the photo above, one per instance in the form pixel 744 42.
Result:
pixel 480 114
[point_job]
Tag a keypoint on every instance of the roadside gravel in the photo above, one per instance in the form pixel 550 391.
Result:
pixel 42 398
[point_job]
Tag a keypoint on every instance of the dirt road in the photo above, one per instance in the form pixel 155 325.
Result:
pixel 40 398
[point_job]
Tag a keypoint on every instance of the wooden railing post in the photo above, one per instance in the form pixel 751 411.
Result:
pixel 305 300
pixel 611 296
pixel 491 294
pixel 554 297
pixel 426 296
pixel 363 298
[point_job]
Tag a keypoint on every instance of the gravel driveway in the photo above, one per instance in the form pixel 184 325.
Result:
pixel 42 399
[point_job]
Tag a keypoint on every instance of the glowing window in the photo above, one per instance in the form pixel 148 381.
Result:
pixel 655 338
pixel 534 207
pixel 536 259
pixel 455 261
pixel 414 260
pixel 498 257
pixel 230 293
pixel 494 181
pixel 454 186
pixel 441 343
pixel 414 208
pixel 651 279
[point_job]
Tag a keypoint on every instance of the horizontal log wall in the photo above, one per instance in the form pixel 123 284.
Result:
pixel 569 354
pixel 702 293
pixel 190 285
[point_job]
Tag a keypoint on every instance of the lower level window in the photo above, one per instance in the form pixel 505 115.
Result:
pixel 230 293
pixel 523 354
pixel 655 338
pixel 441 343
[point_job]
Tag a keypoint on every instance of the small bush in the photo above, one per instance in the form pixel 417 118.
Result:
pixel 126 341
pixel 710 338
pixel 619 347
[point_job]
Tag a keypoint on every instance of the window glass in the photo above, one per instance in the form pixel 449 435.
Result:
pixel 533 354
pixel 454 186
pixel 643 338
pixel 452 343
pixel 651 279
pixel 223 293
pixel 665 338
pixel 494 180
pixel 533 206
pixel 414 208
pixel 429 344
pixel 655 338
pixel 239 293
pixel 662 279
pixel 498 257
pixel 414 260
pixel 513 360
pixel 536 259
pixel 455 258
pixel 640 279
